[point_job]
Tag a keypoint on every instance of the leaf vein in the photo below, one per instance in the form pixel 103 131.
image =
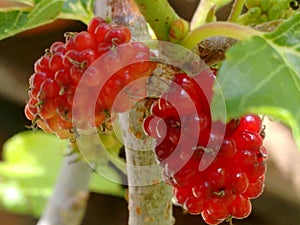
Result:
pixel 250 54
pixel 260 85
pixel 17 19
pixel 290 67
pixel 43 9
pixel 284 33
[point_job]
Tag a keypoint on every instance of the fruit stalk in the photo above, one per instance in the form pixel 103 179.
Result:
pixel 68 202
pixel 160 16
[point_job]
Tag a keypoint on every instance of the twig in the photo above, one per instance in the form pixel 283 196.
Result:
pixel 68 202
pixel 101 8
pixel 150 199
pixel 125 13
pixel 212 50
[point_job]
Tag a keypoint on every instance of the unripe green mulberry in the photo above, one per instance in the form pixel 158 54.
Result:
pixel 251 16
pixel 275 12
pixel 262 19
pixel 265 5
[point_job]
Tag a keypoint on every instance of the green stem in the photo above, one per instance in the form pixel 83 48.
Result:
pixel 236 10
pixel 230 220
pixel 201 13
pixel 160 16
pixel 225 29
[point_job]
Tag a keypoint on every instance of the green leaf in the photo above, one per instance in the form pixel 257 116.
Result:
pixel 32 148
pixel 262 75
pixel 31 163
pixel 29 170
pixel 37 1
pixel 14 198
pixel 14 22
pixel 43 12
pixel 78 9
pixel 102 185
pixel 26 2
